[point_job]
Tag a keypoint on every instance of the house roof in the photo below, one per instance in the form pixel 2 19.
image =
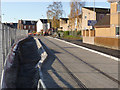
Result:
pixel 111 1
pixel 80 16
pixel 99 10
pixel 29 22
pixel 104 22
pixel 44 20
pixel 64 18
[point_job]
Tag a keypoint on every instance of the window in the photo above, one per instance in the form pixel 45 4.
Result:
pixel 29 27
pixel 75 21
pixel 24 22
pixel 24 27
pixel 117 30
pixel 32 22
pixel 61 27
pixel 118 7
pixel 33 27
pixel 85 17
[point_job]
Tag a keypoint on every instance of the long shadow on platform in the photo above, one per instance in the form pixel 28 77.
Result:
pixel 47 66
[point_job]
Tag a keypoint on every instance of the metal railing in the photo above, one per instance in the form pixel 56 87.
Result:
pixel 8 36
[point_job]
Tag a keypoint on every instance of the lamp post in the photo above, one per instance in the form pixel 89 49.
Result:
pixel 1 17
pixel 0 13
pixel 43 24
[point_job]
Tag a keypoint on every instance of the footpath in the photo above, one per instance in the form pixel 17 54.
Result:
pixel 22 70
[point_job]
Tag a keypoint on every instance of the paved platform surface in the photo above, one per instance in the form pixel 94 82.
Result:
pixel 55 76
pixel 71 56
pixel 112 52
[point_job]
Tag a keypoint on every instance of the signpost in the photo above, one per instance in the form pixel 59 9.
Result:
pixel 91 22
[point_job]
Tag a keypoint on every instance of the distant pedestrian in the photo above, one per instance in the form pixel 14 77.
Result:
pixel 58 34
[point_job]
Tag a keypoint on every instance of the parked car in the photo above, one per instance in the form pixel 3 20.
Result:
pixel 30 34
pixel 45 33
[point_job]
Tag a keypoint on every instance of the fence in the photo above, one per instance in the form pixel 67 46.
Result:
pixel 8 36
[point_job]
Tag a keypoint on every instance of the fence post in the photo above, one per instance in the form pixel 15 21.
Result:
pixel 6 34
pixel 3 45
pixel 15 35
pixel 9 38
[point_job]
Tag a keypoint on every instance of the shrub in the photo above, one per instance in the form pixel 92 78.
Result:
pixel 66 33
pixel 79 33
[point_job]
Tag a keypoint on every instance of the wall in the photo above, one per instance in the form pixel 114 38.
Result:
pixel 90 16
pixel 88 33
pixel 92 33
pixel 64 25
pixel 8 36
pixel 89 40
pixel 118 18
pixel 108 42
pixel 31 27
pixel 114 14
pixel 39 26
pixel 83 33
pixel 114 18
pixel 104 32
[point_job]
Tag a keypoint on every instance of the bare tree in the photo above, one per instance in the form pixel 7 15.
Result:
pixel 75 11
pixel 54 13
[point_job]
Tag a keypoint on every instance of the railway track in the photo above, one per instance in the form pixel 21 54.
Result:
pixel 80 84
pixel 91 66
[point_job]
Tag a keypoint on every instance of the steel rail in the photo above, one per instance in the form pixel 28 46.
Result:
pixel 80 84
pixel 93 67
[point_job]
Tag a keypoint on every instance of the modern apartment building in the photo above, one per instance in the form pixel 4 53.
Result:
pixel 107 30
pixel 81 22
pixel 64 24
pixel 90 16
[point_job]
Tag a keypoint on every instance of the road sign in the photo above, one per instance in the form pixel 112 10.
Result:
pixel 91 22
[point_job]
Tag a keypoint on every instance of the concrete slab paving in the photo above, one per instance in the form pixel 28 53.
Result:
pixel 90 77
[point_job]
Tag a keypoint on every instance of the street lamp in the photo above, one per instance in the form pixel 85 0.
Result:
pixel 43 24
pixel 1 17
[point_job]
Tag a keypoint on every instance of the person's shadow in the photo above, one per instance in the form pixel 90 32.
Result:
pixel 47 66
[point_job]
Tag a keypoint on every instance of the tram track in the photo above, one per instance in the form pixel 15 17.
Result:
pixel 79 83
pixel 91 66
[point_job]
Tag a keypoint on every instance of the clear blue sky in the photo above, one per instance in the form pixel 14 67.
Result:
pixel 14 11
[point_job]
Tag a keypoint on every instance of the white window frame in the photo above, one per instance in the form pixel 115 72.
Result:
pixel 85 16
pixel 118 30
pixel 24 22
pixel 29 27
pixel 24 27
pixel 32 22
pixel 33 27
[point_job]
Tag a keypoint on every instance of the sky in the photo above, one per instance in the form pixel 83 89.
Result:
pixel 14 10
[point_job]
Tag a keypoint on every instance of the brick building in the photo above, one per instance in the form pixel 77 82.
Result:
pixel 27 25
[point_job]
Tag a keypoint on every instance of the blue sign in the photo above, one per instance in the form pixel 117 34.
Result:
pixel 91 22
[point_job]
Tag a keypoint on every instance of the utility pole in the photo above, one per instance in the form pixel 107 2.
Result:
pixel 43 25
pixel 94 10
pixel 0 13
